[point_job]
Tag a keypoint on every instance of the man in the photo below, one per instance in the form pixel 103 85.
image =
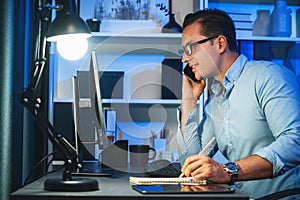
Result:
pixel 253 111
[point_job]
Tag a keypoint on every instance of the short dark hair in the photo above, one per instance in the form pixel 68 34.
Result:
pixel 214 22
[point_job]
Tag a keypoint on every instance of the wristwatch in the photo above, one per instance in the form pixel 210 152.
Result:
pixel 233 170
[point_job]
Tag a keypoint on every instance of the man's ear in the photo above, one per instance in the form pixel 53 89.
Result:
pixel 221 43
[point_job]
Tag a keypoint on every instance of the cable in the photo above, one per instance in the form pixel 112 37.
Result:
pixel 36 166
pixel 59 168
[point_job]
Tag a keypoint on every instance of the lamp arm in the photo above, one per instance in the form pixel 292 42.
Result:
pixel 43 15
pixel 32 102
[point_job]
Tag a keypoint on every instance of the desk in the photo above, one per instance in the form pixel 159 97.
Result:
pixel 115 187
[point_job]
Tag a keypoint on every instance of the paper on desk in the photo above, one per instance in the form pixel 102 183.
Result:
pixel 165 181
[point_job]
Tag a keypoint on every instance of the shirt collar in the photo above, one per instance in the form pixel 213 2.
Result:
pixel 230 78
pixel 235 70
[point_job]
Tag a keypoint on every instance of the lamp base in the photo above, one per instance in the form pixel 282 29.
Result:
pixel 75 185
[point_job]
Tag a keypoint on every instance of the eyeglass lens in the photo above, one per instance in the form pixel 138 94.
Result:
pixel 188 49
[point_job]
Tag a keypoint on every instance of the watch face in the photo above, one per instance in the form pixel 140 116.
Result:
pixel 232 167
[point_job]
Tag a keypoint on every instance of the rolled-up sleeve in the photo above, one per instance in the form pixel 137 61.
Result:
pixel 189 144
pixel 280 101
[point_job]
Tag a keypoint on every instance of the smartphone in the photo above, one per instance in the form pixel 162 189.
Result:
pixel 188 71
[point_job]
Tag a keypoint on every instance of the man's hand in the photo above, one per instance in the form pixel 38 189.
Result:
pixel 201 167
pixel 191 89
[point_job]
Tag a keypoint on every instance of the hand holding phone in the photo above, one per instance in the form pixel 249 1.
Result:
pixel 189 73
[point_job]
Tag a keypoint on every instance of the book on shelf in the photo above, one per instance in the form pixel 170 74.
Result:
pixel 165 181
pixel 243 25
pixel 240 16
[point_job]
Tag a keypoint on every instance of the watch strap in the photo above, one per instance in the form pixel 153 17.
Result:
pixel 233 178
pixel 233 170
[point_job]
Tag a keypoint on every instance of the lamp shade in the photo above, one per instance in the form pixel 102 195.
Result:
pixel 67 24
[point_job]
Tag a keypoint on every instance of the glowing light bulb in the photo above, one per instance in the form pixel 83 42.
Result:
pixel 72 47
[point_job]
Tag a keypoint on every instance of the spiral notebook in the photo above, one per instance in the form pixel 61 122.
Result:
pixel 165 181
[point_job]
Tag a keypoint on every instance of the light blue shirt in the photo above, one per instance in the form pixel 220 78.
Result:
pixel 258 112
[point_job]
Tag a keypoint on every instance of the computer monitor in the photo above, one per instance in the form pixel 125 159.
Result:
pixel 76 118
pixel 91 114
pixel 96 104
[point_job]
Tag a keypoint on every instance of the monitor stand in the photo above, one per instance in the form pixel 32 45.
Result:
pixel 93 168
pixel 114 157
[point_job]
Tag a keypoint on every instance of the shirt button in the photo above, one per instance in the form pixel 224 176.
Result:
pixel 230 145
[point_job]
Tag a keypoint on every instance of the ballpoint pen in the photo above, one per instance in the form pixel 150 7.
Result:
pixel 213 140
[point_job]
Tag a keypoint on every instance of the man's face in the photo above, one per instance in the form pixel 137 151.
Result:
pixel 203 57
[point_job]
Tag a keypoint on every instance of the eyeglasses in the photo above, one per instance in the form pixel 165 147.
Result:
pixel 188 49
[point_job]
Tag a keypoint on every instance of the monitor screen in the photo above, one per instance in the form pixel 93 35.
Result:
pixel 76 117
pixel 88 114
pixel 96 103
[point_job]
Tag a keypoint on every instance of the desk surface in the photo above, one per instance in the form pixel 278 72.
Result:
pixel 115 187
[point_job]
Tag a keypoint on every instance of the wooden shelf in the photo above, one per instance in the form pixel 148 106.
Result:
pixel 289 2
pixel 144 39
pixel 247 35
pixel 137 35
pixel 131 101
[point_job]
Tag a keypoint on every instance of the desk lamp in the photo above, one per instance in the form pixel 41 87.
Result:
pixel 66 22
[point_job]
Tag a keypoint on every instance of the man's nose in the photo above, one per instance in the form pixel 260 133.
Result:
pixel 185 58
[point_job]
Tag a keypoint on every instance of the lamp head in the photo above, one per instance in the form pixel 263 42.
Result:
pixel 69 31
pixel 65 25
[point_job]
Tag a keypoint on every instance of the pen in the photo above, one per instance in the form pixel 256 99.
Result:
pixel 203 150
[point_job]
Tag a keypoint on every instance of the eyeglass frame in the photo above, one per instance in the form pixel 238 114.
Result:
pixel 191 45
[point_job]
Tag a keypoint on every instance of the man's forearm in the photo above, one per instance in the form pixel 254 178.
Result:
pixel 254 167
pixel 187 105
